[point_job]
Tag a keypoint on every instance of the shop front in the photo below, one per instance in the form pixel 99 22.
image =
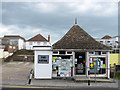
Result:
pixel 76 63
pixel 76 54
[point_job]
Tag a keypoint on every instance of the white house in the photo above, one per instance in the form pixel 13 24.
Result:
pixel 16 40
pixel 1 48
pixel 109 41
pixel 6 48
pixel 37 40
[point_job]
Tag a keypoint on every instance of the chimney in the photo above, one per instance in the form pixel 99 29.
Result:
pixel 48 38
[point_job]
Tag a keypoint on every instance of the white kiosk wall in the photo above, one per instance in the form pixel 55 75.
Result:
pixel 42 64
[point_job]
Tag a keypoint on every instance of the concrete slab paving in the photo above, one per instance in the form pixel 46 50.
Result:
pixel 71 83
pixel 16 73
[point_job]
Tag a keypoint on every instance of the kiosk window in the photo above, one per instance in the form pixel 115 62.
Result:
pixel 43 59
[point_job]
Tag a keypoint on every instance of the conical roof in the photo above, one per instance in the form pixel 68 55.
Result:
pixel 77 38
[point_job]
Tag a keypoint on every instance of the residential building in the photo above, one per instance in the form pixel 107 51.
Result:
pixel 6 48
pixel 113 42
pixel 37 40
pixel 109 41
pixel 15 40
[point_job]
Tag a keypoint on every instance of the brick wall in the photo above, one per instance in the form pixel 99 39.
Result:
pixel 26 58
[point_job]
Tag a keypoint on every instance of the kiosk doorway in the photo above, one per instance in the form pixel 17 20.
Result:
pixel 80 63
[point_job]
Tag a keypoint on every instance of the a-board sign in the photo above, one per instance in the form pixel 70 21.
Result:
pixel 43 59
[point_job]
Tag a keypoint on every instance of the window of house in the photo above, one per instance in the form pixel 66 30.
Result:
pixel 62 52
pixel 10 46
pixel 30 43
pixel 113 51
pixel 38 43
pixel 91 52
pixel 104 52
pixel 101 42
pixel 45 43
pixel 14 47
pixel 97 52
pixel 117 51
pixel 41 43
pixel 55 52
pixel 69 52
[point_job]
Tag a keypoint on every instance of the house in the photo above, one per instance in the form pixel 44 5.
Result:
pixel 6 48
pixel 37 40
pixel 1 48
pixel 76 54
pixel 16 40
pixel 114 43
pixel 109 41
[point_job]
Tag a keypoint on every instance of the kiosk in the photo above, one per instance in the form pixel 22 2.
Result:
pixel 42 62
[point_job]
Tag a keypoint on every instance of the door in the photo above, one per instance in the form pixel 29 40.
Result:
pixel 80 63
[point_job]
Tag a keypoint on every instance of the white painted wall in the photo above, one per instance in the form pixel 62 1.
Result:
pixel 112 41
pixel 6 54
pixel 39 43
pixel 21 44
pixel 42 71
pixel 108 53
pixel 1 53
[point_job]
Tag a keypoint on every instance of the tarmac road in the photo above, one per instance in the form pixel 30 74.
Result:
pixel 59 89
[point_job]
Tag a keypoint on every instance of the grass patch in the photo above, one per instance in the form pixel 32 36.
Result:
pixel 117 75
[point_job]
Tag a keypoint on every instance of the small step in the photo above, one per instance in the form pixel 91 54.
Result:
pixel 85 79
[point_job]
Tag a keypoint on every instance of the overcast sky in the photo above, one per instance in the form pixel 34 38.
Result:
pixel 30 18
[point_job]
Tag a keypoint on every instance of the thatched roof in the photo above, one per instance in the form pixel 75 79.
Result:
pixel 77 38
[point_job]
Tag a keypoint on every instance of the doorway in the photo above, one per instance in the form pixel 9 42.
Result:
pixel 80 63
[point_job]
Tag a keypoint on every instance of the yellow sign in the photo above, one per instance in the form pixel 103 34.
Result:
pixel 91 65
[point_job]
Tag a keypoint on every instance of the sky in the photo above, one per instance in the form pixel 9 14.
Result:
pixel 28 19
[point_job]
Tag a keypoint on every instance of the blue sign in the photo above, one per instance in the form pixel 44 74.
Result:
pixel 80 56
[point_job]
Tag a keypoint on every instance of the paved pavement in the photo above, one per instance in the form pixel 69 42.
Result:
pixel 71 84
pixel 16 73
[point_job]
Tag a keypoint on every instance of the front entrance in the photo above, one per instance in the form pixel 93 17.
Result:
pixel 80 63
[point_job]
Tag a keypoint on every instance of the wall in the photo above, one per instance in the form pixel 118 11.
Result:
pixel 114 58
pixel 1 53
pixel 26 58
pixel 30 47
pixel 112 42
pixel 6 54
pixel 21 44
pixel 43 71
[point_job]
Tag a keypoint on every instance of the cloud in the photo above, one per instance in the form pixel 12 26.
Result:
pixel 31 18
pixel 27 32
pixel 45 7
pixel 94 8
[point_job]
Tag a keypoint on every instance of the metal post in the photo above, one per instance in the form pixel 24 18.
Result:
pixel 88 78
pixel 30 78
pixel 114 72
pixel 95 73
